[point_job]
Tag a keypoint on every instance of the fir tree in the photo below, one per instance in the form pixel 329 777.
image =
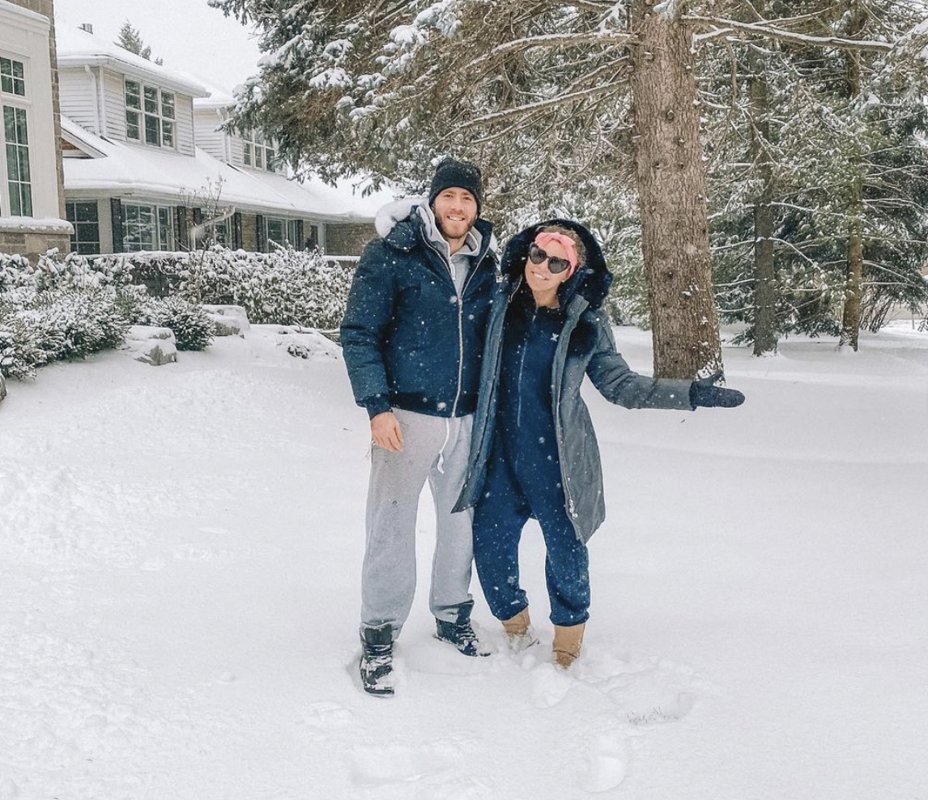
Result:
pixel 555 101
pixel 131 39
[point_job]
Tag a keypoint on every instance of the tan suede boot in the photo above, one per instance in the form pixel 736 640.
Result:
pixel 519 631
pixel 567 641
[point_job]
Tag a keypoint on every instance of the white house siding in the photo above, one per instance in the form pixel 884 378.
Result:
pixel 78 98
pixel 208 138
pixel 183 105
pixel 237 151
pixel 114 103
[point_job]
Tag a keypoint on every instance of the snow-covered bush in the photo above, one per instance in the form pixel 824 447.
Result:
pixel 55 324
pixel 286 287
pixel 192 326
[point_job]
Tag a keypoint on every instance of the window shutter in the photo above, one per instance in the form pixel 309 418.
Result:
pixel 260 237
pixel 300 243
pixel 237 230
pixel 180 225
pixel 116 221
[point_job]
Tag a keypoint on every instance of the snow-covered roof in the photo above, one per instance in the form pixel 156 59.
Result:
pixel 78 47
pixel 156 174
pixel 219 97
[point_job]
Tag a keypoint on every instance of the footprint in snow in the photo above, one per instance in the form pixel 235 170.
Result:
pixel 327 713
pixel 549 686
pixel 155 564
pixel 402 764
pixel 605 765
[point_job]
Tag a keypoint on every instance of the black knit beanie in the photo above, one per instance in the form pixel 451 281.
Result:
pixel 460 174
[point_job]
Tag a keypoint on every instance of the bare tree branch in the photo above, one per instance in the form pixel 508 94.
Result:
pixel 791 36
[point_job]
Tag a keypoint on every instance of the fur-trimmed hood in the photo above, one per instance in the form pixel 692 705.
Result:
pixel 398 223
pixel 593 278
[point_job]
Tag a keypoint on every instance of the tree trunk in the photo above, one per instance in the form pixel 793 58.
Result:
pixel 853 293
pixel 672 197
pixel 850 324
pixel 765 288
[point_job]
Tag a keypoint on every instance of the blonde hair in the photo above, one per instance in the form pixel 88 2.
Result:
pixel 572 235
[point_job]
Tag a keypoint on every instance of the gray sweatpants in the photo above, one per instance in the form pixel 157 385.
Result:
pixel 388 579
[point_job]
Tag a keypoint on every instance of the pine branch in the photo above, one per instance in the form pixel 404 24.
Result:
pixel 790 36
pixel 542 105
pixel 553 40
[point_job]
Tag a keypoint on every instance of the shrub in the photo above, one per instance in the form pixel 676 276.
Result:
pixel 286 287
pixel 192 326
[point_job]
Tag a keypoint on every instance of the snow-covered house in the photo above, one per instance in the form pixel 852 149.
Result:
pixel 145 167
pixel 31 194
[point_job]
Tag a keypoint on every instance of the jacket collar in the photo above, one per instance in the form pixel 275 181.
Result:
pixel 409 233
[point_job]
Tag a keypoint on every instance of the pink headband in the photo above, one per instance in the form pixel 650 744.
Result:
pixel 566 242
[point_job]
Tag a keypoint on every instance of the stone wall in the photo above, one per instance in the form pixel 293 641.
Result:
pixel 34 241
pixel 348 238
pixel 249 232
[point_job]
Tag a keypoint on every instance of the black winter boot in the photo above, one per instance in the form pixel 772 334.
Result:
pixel 461 633
pixel 376 663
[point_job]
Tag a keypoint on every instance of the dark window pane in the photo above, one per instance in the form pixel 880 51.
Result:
pixel 167 105
pixel 12 162
pixel 152 130
pixel 22 135
pixel 133 95
pixel 86 212
pixel 151 100
pixel 167 132
pixel 132 125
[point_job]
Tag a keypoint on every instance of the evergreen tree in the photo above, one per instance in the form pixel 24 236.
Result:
pixel 840 175
pixel 594 99
pixel 131 39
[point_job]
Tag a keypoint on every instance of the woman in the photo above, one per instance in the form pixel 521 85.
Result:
pixel 533 451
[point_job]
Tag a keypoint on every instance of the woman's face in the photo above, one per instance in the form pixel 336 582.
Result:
pixel 539 277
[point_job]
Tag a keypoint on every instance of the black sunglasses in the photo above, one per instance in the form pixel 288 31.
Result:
pixel 555 265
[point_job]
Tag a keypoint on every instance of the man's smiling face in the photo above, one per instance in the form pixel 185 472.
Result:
pixel 455 212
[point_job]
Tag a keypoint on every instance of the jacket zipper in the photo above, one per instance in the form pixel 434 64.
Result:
pixel 460 304
pixel 522 367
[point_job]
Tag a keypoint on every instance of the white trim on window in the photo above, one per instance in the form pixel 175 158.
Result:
pixel 147 226
pixel 259 153
pixel 16 136
pixel 151 114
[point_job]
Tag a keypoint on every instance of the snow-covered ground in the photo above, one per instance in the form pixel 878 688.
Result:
pixel 179 564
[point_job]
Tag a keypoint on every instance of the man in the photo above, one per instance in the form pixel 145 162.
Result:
pixel 412 339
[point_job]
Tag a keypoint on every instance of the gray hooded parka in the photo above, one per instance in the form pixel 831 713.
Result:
pixel 585 347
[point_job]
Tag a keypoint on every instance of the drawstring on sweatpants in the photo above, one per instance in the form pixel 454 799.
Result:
pixel 441 453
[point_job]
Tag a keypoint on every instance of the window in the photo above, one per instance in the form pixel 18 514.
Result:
pixel 12 77
pixel 147 227
pixel 276 232
pixel 216 233
pixel 294 233
pixel 222 233
pixel 259 153
pixel 14 136
pixel 150 115
pixel 283 232
pixel 85 218
pixel 16 141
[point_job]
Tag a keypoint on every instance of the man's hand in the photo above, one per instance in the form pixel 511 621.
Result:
pixel 386 433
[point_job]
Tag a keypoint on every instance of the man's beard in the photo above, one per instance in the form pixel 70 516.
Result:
pixel 441 228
